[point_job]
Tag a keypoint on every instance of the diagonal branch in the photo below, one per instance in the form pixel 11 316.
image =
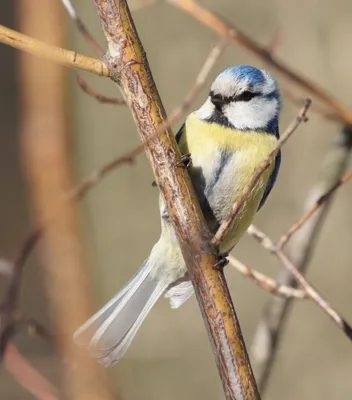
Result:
pixel 265 282
pixel 262 238
pixel 226 225
pixel 129 69
pixel 312 210
pixel 217 24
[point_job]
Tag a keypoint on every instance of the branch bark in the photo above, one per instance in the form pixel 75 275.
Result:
pixel 130 70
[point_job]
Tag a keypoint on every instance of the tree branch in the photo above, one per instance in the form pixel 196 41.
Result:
pixel 49 52
pixel 312 210
pixel 266 283
pixel 129 68
pixel 267 243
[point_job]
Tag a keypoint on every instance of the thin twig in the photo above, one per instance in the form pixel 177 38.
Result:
pixel 223 28
pixel 268 244
pixel 323 111
pixel 49 52
pixel 203 74
pixel 28 376
pixel 226 225
pixel 82 28
pixel 308 214
pixel 266 283
pixel 100 97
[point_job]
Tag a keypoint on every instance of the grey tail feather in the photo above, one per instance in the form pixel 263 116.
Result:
pixel 108 334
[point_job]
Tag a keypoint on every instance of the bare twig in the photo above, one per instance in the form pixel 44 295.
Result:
pixel 217 24
pixel 309 213
pixel 203 74
pixel 265 282
pixel 268 244
pixel 127 62
pixel 323 111
pixel 28 376
pixel 299 250
pixel 49 52
pixel 226 225
pixel 100 97
pixel 82 28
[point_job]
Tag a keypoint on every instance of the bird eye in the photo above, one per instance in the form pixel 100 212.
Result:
pixel 246 96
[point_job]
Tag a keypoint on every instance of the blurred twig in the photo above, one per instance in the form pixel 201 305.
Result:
pixel 299 250
pixel 223 28
pixel 265 282
pixel 323 111
pixel 90 39
pixel 226 225
pixel 28 376
pixel 309 213
pixel 311 292
pixel 98 96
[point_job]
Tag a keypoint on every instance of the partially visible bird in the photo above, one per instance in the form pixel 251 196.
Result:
pixel 228 138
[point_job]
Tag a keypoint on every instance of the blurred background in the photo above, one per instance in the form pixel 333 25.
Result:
pixel 170 357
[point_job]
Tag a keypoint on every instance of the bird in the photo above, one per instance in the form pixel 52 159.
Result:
pixel 227 138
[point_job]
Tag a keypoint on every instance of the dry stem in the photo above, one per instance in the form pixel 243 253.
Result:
pixel 266 283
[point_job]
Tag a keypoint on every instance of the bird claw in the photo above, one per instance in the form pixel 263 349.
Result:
pixel 186 161
pixel 222 261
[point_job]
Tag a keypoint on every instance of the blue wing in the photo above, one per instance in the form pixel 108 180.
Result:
pixel 271 180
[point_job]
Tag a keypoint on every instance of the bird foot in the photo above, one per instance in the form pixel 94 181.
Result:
pixel 186 161
pixel 221 262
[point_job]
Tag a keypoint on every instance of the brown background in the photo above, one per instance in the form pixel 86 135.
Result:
pixel 170 357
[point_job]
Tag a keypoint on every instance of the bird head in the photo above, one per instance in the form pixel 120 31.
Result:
pixel 244 98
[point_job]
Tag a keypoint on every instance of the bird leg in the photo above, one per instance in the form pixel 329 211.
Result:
pixel 221 262
pixel 186 161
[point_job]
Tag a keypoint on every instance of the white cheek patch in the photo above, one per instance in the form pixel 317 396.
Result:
pixel 254 114
pixel 206 111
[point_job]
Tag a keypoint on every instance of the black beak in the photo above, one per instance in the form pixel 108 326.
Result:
pixel 218 102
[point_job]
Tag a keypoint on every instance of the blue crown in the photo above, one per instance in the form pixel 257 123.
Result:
pixel 241 72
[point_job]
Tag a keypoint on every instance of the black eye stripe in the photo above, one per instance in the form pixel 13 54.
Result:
pixel 244 96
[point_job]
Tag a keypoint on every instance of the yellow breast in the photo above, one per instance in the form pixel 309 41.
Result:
pixel 203 140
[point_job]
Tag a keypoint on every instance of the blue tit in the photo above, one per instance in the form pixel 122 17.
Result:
pixel 228 138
